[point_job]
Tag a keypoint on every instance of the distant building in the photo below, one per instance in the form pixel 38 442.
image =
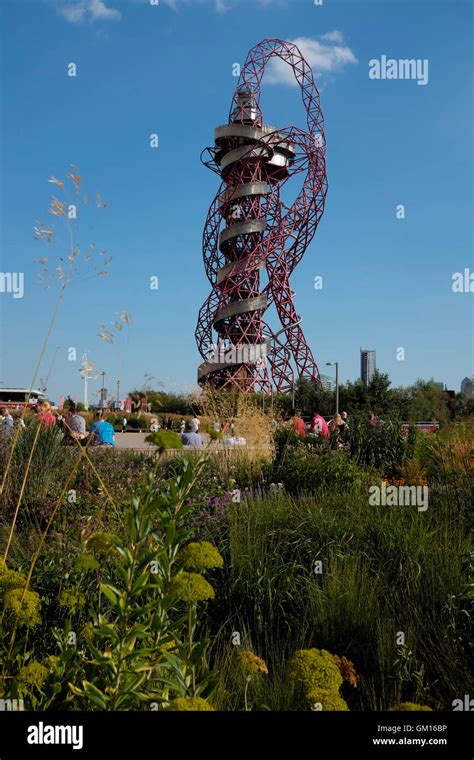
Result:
pixel 367 365
pixel 441 386
pixel 329 383
pixel 18 397
pixel 467 387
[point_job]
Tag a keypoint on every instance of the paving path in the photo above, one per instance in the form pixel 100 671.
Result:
pixel 137 441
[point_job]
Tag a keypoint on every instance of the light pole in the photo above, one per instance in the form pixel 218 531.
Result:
pixel 87 373
pixel 118 395
pixel 331 364
pixel 103 389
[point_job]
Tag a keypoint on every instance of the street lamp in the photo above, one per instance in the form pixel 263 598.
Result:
pixel 87 373
pixel 103 389
pixel 118 395
pixel 336 364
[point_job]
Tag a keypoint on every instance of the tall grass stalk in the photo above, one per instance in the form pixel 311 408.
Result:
pixel 22 490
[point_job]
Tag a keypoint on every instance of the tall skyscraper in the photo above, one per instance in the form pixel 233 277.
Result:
pixel 467 387
pixel 367 365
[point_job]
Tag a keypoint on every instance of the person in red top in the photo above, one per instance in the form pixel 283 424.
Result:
pixel 319 426
pixel 45 415
pixel 297 423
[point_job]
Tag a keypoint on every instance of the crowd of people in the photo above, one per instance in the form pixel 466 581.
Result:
pixel 101 432
pixel 333 430
pixel 190 434
pixel 166 423
pixel 71 424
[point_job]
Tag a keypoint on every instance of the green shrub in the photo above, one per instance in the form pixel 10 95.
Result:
pixel 193 704
pixel 48 459
pixel 165 439
pixel 324 699
pixel 382 571
pixel 134 423
pixel 385 446
pixel 122 641
pixel 314 669
pixel 303 470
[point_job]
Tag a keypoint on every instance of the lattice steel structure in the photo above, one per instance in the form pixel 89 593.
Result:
pixel 249 231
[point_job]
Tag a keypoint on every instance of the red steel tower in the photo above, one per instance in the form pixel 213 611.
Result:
pixel 252 241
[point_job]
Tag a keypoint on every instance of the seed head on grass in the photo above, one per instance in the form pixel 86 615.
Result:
pixel 251 664
pixel 347 670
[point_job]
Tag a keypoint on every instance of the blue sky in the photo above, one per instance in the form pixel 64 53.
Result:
pixel 143 69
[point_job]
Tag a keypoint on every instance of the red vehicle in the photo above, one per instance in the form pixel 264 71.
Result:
pixel 427 427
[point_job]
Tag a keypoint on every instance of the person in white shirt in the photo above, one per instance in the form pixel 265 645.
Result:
pixel 7 421
pixel 195 422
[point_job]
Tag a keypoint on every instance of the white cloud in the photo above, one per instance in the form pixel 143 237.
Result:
pixel 221 7
pixel 334 36
pixel 323 56
pixel 87 10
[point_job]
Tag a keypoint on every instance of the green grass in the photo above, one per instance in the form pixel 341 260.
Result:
pixel 385 570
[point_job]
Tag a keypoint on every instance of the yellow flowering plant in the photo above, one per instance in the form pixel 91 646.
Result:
pixel 141 647
pixel 251 665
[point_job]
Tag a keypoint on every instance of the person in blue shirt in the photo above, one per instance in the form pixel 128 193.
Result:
pixel 192 438
pixel 102 431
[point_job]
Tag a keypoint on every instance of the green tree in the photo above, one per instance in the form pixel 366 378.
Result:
pixel 379 394
pixel 428 402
